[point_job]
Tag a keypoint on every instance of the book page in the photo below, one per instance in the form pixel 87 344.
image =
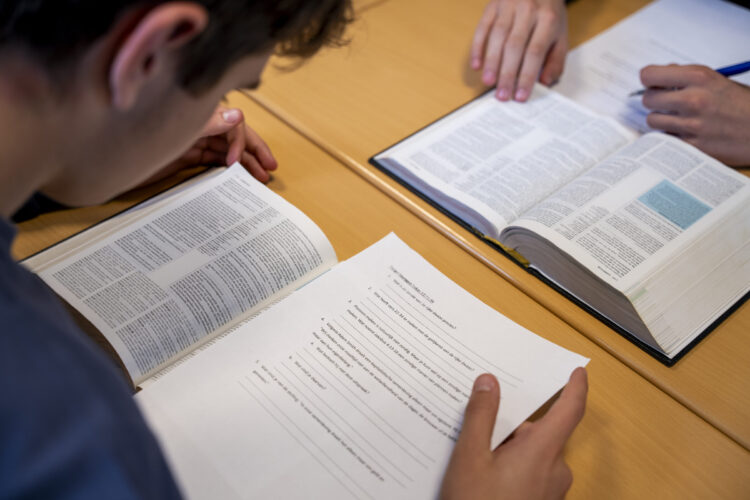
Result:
pixel 63 249
pixel 602 72
pixel 352 387
pixel 165 283
pixel 625 216
pixel 234 326
pixel 662 222
pixel 499 159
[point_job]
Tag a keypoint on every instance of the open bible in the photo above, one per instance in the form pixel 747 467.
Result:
pixel 163 279
pixel 269 370
pixel 647 232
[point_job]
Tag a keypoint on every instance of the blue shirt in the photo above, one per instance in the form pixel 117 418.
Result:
pixel 69 427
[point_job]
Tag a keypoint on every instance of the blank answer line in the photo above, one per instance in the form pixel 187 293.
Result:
pixel 297 439
pixel 445 414
pixel 375 448
pixel 400 303
pixel 343 432
pixel 389 436
pixel 445 364
pixel 452 337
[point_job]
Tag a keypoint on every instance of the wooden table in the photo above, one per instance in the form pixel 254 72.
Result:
pixel 634 442
pixel 406 66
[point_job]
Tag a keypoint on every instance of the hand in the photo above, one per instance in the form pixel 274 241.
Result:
pixel 516 40
pixel 225 139
pixel 704 108
pixel 530 464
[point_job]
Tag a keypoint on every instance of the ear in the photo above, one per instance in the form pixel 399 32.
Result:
pixel 155 38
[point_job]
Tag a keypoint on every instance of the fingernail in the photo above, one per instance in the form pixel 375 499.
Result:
pixel 503 94
pixel 488 79
pixel 475 64
pixel 521 94
pixel 231 115
pixel 483 383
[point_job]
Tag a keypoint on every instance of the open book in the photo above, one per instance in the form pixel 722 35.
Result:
pixel 351 386
pixel 647 232
pixel 163 279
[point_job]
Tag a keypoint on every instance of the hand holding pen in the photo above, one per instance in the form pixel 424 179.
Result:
pixel 701 106
pixel 734 69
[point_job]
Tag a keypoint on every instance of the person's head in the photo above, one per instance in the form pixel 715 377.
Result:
pixel 114 89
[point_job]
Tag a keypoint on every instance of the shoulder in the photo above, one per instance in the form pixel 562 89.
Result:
pixel 67 419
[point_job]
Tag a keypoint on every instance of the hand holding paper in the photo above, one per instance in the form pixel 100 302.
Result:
pixel 530 465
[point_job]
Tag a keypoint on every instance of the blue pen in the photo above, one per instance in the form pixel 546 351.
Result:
pixel 734 69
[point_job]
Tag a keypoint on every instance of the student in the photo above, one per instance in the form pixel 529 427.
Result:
pixel 518 42
pixel 95 98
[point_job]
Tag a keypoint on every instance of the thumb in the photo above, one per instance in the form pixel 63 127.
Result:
pixel 222 121
pixel 479 419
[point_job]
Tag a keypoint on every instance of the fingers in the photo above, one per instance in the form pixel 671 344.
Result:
pixel 561 420
pixel 260 150
pixel 518 42
pixel 680 96
pixel 668 101
pixel 494 52
pixel 201 156
pixel 480 35
pixel 674 76
pixel 535 54
pixel 685 102
pixel 256 157
pixel 207 156
pixel 226 134
pixel 673 124
pixel 521 430
pixel 222 121
pixel 562 477
pixel 513 51
pixel 211 158
pixel 479 418
pixel 225 122
pixel 555 63
pixel 252 165
pixel 236 138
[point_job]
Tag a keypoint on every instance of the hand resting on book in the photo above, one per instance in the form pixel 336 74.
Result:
pixel 530 464
pixel 704 108
pixel 225 139
pixel 519 41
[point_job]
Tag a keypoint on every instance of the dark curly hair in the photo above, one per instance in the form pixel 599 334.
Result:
pixel 57 31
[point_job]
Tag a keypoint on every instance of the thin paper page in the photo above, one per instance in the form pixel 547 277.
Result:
pixel 629 216
pixel 500 158
pixel 602 72
pixel 39 262
pixel 352 387
pixel 232 327
pixel 167 282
